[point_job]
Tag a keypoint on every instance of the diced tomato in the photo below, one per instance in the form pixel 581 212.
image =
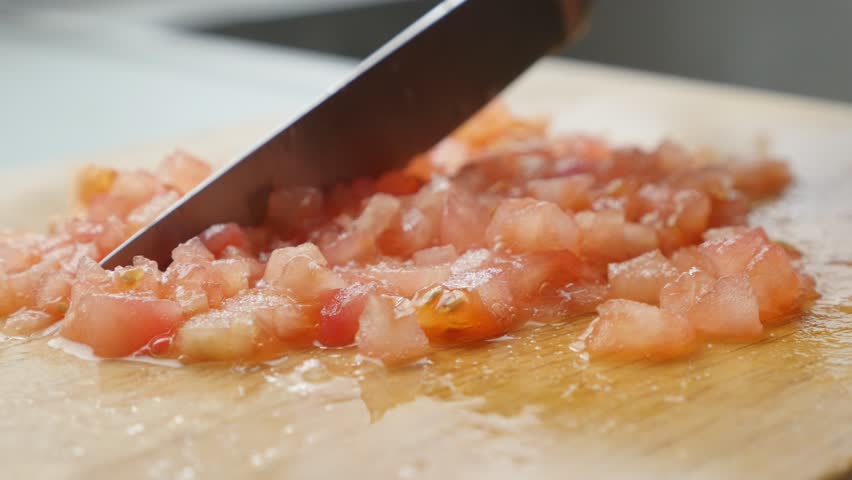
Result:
pixel 728 310
pixel 191 286
pixel 731 255
pixel 721 233
pixel 606 237
pixel 451 249
pixel 21 289
pixel 127 191
pixel 192 251
pixel 679 216
pixel 539 276
pixel 255 267
pixel 435 255
pixel 295 210
pixel 301 271
pixel 182 171
pixel 217 335
pixel 631 329
pixel 581 298
pixel 117 325
pixel 570 193
pixel 26 322
pixel 775 283
pixel 463 222
pixel 687 258
pixel 338 321
pixel 53 294
pixel 19 252
pixel 93 181
pixel 760 179
pixel 218 237
pixel 149 211
pixel 418 224
pixel 641 278
pixel 232 274
pixel 403 280
pixel 528 225
pixel 456 316
pixel 359 242
pixel 680 295
pixel 278 315
pixel 106 235
pixel 388 331
pixel 496 121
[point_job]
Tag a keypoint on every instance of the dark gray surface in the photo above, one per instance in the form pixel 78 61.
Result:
pixel 795 46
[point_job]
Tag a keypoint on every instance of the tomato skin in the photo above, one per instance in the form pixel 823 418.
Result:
pixel 218 237
pixel 116 325
pixel 338 321
pixel 630 329
pixel 183 171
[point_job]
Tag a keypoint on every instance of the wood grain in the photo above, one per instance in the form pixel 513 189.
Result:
pixel 525 407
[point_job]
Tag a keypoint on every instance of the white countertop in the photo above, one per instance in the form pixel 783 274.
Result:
pixel 75 84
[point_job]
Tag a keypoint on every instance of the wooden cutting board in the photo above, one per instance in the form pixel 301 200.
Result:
pixel 526 407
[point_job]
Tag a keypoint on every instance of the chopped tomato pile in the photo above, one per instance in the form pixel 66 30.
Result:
pixel 499 224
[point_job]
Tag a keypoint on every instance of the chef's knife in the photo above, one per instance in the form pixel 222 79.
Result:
pixel 398 102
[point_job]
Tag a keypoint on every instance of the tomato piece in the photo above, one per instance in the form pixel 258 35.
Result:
pixel 728 310
pixel 388 331
pixel 359 241
pixel 435 255
pixel 528 225
pixel 218 237
pixel 456 316
pixel 338 321
pixel 775 283
pixel 301 271
pixel 641 278
pixel 680 295
pixel 630 329
pixel 217 335
pixel 26 322
pixel 762 178
pixel 183 171
pixel 116 325
pixel 463 222
pixel 293 211
pixel 570 193
pixel 94 181
pixel 147 212
pixel 607 237
pixel 731 254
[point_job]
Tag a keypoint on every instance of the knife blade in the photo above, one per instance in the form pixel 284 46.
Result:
pixel 399 102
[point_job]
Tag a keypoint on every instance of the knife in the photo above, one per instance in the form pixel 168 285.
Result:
pixel 400 101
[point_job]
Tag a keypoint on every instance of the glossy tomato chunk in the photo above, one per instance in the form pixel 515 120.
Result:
pixel 630 329
pixel 775 283
pixel 641 278
pixel 388 330
pixel 338 322
pixel 528 225
pixel 116 325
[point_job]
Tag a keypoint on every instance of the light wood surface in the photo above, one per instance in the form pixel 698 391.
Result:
pixel 526 407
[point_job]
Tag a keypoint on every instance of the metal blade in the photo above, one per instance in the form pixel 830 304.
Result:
pixel 399 102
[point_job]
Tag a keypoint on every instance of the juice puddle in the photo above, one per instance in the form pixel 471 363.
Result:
pixel 84 352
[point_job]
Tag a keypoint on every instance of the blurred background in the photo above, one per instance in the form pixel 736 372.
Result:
pixel 94 74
